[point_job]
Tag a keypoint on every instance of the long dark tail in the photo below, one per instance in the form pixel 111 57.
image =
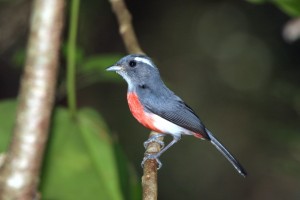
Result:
pixel 227 154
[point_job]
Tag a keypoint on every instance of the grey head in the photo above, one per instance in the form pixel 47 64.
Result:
pixel 137 70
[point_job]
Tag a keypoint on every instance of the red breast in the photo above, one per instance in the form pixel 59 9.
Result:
pixel 139 113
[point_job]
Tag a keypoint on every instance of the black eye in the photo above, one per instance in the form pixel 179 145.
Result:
pixel 132 63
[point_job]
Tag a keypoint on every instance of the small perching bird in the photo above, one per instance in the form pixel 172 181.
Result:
pixel 156 107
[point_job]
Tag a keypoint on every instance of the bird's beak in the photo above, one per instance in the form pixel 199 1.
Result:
pixel 114 68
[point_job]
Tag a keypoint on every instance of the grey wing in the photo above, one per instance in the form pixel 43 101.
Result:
pixel 180 114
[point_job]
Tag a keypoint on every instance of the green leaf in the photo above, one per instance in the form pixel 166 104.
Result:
pixel 7 117
pixel 93 70
pixel 100 147
pixel 97 65
pixel 131 187
pixel 80 161
pixel 81 158
pixel 100 62
pixel 290 7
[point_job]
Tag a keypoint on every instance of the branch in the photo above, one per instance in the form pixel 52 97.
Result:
pixel 19 174
pixel 149 179
pixel 125 26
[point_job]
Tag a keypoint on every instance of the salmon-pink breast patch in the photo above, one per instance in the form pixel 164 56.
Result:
pixel 138 112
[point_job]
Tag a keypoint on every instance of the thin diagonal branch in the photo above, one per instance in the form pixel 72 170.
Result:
pixel 149 179
pixel 19 175
pixel 125 26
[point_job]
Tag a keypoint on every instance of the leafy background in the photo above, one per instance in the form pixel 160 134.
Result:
pixel 227 59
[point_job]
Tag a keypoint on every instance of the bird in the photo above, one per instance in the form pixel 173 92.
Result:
pixel 159 109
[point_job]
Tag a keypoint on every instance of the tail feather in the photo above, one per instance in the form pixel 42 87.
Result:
pixel 227 154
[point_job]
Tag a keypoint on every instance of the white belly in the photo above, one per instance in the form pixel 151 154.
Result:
pixel 168 127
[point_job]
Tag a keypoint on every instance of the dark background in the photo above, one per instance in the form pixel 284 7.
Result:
pixel 226 59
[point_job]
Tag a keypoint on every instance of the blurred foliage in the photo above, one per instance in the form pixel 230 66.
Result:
pixel 92 70
pixel 130 183
pixel 18 58
pixel 227 61
pixel 7 117
pixel 290 7
pixel 89 69
pixel 81 159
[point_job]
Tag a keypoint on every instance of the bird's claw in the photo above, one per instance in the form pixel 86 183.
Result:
pixel 151 157
pixel 155 139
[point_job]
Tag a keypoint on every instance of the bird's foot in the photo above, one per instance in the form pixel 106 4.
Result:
pixel 154 139
pixel 151 157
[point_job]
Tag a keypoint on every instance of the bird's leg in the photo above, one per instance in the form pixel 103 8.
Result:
pixel 157 155
pixel 154 138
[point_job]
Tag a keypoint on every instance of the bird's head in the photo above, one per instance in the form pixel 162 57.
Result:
pixel 136 69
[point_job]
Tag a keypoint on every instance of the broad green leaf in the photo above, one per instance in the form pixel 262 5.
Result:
pixel 7 117
pixel 100 147
pixel 79 162
pixel 130 184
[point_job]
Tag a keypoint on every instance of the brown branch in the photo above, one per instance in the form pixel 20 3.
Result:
pixel 149 179
pixel 125 26
pixel 19 174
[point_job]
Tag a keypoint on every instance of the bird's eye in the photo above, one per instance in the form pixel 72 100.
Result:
pixel 132 63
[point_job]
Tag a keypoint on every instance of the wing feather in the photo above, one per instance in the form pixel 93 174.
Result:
pixel 180 114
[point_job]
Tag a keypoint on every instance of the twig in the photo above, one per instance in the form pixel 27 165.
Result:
pixel 125 26
pixel 19 175
pixel 149 179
